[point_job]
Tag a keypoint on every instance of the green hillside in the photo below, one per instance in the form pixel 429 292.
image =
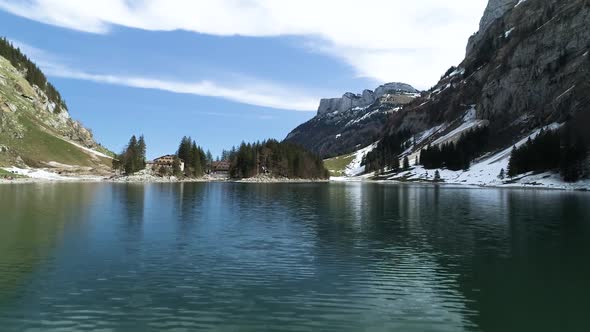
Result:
pixel 35 130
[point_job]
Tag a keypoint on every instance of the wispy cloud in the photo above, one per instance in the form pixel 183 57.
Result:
pixel 247 90
pixel 373 36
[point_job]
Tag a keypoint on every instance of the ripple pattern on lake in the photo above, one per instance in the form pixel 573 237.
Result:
pixel 292 257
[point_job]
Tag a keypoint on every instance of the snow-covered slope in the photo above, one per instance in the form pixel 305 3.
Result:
pixel 484 171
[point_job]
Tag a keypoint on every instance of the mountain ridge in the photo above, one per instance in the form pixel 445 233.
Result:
pixel 343 124
pixel 526 71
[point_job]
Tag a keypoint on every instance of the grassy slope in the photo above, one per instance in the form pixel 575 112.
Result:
pixel 4 173
pixel 39 146
pixel 337 165
pixel 39 143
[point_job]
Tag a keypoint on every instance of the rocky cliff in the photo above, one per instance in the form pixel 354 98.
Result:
pixel 350 100
pixel 527 67
pixel 344 124
pixel 494 10
pixel 36 132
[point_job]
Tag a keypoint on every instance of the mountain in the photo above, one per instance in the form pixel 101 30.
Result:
pixel 526 72
pixel 344 124
pixel 36 129
pixel 527 67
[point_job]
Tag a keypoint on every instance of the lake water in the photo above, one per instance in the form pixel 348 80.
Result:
pixel 292 257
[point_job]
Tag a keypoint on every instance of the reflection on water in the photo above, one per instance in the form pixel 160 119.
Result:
pixel 294 257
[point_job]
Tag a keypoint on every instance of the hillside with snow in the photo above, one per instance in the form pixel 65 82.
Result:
pixel 343 125
pixel 525 70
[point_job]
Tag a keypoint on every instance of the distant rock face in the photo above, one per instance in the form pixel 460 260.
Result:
pixel 494 10
pixel 350 100
pixel 344 124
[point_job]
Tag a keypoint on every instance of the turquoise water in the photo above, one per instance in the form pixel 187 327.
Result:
pixel 292 257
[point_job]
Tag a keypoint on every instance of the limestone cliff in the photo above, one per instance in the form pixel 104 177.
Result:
pixel 344 124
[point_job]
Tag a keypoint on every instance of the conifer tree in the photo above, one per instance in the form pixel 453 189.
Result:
pixel 437 176
pixel 130 164
pixel 141 153
pixel 196 160
pixel 176 171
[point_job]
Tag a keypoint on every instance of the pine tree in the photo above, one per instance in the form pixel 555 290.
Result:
pixel 141 153
pixel 176 171
pixel 406 163
pixel 512 163
pixel 437 176
pixel 196 160
pixel 184 153
pixel 130 156
pixel 209 162
pixel 502 174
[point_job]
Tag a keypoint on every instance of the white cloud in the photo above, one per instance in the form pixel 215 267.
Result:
pixel 387 40
pixel 261 94
pixel 246 90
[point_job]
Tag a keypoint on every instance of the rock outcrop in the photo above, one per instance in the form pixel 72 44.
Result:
pixel 344 124
pixel 350 100
pixel 494 10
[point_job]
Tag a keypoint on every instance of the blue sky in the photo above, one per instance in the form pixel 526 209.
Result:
pixel 223 71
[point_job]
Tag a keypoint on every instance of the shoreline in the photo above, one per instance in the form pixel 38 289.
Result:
pixel 147 178
pixel 466 185
pixel 282 180
pixel 131 180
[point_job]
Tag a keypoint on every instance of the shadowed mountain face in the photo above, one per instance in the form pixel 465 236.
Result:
pixel 345 124
pixel 527 67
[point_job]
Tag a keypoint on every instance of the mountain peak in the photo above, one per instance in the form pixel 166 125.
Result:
pixel 352 100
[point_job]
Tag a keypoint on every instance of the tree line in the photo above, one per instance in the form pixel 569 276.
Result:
pixel 386 153
pixel 551 150
pixel 33 74
pixel 275 158
pixel 456 156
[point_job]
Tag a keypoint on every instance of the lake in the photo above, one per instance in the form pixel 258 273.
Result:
pixel 292 257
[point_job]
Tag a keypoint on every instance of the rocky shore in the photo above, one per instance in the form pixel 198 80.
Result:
pixel 45 176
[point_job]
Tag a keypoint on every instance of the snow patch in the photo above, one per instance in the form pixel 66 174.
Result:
pixel 486 171
pixel 566 92
pixel 39 174
pixel 458 71
pixel 355 168
pixel 96 153
pixel 469 121
pixel 507 33
pixel 362 118
pixel 519 3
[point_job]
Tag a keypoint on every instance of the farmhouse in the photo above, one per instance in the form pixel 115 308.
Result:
pixel 164 162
